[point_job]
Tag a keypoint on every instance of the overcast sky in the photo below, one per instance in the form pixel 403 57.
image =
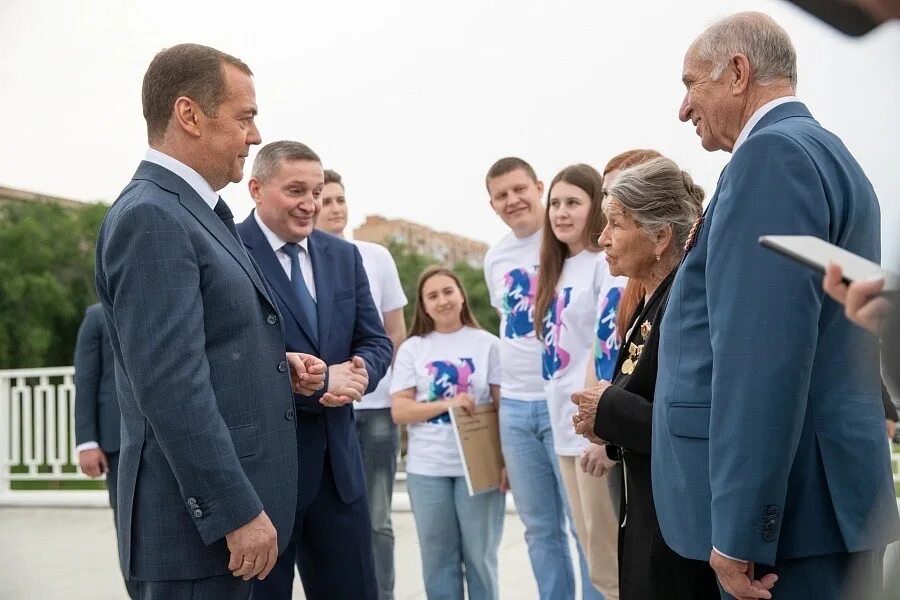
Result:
pixel 412 101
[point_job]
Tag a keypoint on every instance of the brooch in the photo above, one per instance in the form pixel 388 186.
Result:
pixel 645 329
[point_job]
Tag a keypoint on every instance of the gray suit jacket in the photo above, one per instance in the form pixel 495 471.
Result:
pixel 208 434
pixel 96 407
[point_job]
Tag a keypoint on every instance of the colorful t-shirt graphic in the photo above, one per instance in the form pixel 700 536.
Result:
pixel 606 343
pixel 447 380
pixel 555 358
pixel 518 303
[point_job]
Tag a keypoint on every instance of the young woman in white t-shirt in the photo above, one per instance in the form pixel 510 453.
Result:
pixel 447 361
pixel 572 278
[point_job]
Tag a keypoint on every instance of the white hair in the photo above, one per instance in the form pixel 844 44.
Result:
pixel 757 36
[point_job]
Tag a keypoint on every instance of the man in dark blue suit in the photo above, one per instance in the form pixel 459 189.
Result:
pixel 97 418
pixel 322 290
pixel 207 469
pixel 769 453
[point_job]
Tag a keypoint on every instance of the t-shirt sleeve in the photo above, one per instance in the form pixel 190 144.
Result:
pixel 403 375
pixel 393 294
pixel 606 344
pixel 489 277
pixel 495 371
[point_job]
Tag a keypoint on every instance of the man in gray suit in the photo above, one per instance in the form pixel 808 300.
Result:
pixel 96 408
pixel 207 468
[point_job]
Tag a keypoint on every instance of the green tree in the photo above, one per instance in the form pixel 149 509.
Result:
pixel 46 280
pixel 410 265
pixel 479 296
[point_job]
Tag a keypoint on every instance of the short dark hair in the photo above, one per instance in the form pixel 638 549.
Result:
pixel 332 176
pixel 273 154
pixel 508 165
pixel 189 70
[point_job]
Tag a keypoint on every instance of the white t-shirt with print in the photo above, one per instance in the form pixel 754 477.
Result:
pixel 438 366
pixel 510 271
pixel 570 328
pixel 387 292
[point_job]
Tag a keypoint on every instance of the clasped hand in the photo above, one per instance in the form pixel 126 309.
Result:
pixel 586 400
pixel 347 382
pixel 307 373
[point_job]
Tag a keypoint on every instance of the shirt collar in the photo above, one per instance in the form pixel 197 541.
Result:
pixel 757 117
pixel 190 176
pixel 273 239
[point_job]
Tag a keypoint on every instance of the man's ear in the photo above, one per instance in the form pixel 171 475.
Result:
pixel 187 115
pixel 253 186
pixel 740 74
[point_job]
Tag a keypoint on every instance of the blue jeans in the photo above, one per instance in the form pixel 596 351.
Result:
pixel 455 531
pixel 379 441
pixel 533 471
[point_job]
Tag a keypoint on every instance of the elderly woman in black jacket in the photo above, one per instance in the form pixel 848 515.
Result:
pixel 650 211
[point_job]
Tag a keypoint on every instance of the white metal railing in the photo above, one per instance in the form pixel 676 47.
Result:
pixel 37 441
pixel 37 438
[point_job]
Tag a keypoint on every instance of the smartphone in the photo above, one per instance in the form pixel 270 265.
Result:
pixel 817 254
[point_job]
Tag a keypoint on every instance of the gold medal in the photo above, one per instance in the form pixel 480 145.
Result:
pixel 628 367
pixel 645 329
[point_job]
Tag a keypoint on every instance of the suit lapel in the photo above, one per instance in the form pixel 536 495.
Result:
pixel 320 255
pixel 201 211
pixel 261 250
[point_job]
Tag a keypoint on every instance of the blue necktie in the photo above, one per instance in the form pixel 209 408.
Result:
pixel 307 304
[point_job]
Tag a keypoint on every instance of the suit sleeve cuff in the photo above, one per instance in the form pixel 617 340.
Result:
pixel 86 446
pixel 720 553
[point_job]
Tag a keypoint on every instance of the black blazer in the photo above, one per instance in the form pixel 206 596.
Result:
pixel 97 417
pixel 625 410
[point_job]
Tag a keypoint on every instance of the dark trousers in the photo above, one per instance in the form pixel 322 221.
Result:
pixel 332 547
pixel 112 478
pixel 856 575
pixel 223 587
pixel 379 440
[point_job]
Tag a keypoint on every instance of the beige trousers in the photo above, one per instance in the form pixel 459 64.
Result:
pixel 595 524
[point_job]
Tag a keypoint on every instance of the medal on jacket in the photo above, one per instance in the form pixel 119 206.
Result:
pixel 646 327
pixel 693 235
pixel 634 353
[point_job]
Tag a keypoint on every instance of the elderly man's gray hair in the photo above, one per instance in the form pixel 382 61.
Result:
pixel 273 154
pixel 758 37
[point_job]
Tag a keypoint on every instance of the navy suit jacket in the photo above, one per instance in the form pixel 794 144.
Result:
pixel 348 325
pixel 209 433
pixel 768 425
pixel 96 406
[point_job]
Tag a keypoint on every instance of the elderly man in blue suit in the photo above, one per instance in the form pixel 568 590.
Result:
pixel 207 468
pixel 97 418
pixel 323 292
pixel 769 453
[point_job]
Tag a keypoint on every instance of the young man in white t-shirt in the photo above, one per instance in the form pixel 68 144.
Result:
pixel 378 435
pixel 510 270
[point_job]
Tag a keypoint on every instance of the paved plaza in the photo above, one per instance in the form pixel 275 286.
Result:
pixel 69 553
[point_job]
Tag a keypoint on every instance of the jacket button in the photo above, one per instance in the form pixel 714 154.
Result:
pixel 197 513
pixel 192 501
pixel 271 319
pixel 289 414
pixel 282 366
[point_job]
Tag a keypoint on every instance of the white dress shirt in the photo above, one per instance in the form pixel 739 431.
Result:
pixel 190 176
pixel 757 116
pixel 277 246
pixel 199 185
